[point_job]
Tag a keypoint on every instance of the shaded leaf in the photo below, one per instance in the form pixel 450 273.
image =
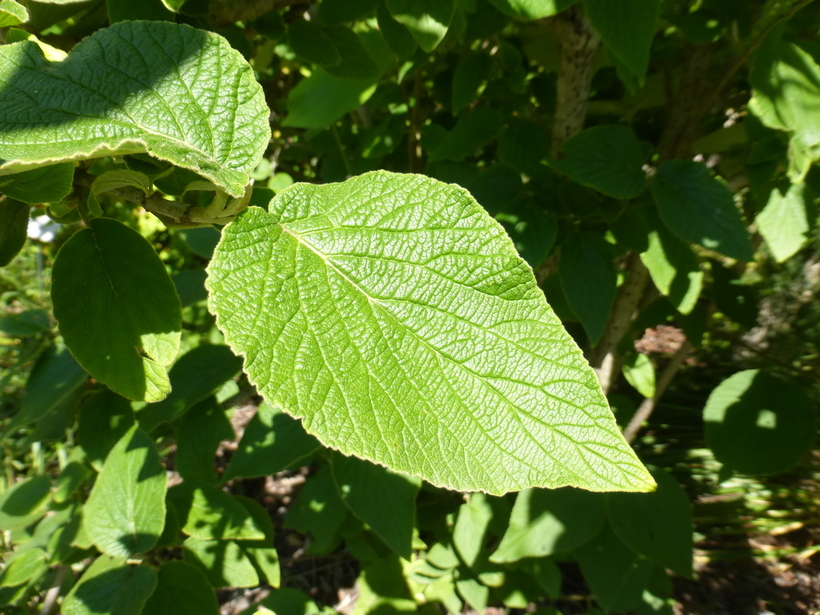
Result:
pixel 43 185
pixel 785 222
pixel 181 590
pixel 427 20
pixel 13 228
pixel 109 586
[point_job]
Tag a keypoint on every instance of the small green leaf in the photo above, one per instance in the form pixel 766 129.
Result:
pixel 322 98
pixel 190 285
pixel 13 229
pixel 43 185
pixel 548 575
pixel 289 601
pixel 759 424
pixel 203 428
pixel 674 269
pixel 177 93
pixel 473 130
pixel 474 593
pixel 383 589
pixel 398 37
pixel 385 500
pixel 125 512
pixel 393 371
pixel 318 509
pixel 308 40
pixel 109 586
pixel 196 375
pixel 272 442
pixel 223 562
pixel 23 566
pixel 640 373
pixel 470 529
pixel 589 280
pixel 544 522
pixel 616 575
pixel 627 28
pixel 785 95
pixel 209 513
pixel 606 158
pixel 784 222
pixel 12 13
pixel 121 178
pixel 700 209
pixel 427 20
pixel 22 503
pixel 104 419
pixel 532 9
pixel 122 335
pixel 657 525
pixel 182 590
pixel 469 79
pixel 72 476
pixel 25 323
pixel 261 552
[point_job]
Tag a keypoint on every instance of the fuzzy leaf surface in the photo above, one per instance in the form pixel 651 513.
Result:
pixel 177 93
pixel 392 315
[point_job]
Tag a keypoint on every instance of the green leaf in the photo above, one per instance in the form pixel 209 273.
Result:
pixel 196 375
pixel 532 9
pixel 190 285
pixel 72 476
pixel 272 442
pixel 384 500
pixel 125 512
pixel 104 419
pixel 120 334
pixel 223 562
pixel 356 62
pixel 177 93
pixel 121 178
pixel 43 185
pixel 53 381
pixel 544 522
pixel 261 552
pixel 322 98
pixel 640 373
pixel 469 79
pixel 657 525
pixel 588 279
pixel 341 11
pixel 606 158
pixel 289 601
pixel 12 13
pixel 427 20
pixel 23 566
pixel 182 590
pixel 21 504
pixel 398 37
pixel 548 575
pixel 109 586
pixel 674 269
pixel 616 575
pixel 473 130
pixel 785 95
pixel 13 229
pixel 383 589
pixel 627 28
pixel 470 529
pixel 318 509
pixel 700 209
pixel 308 40
pixel 393 371
pixel 784 222
pixel 759 424
pixel 209 513
pixel 200 433
pixel 25 323
pixel 733 298
pixel 473 592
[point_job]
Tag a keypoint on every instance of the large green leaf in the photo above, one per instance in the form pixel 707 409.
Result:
pixel 322 98
pixel 13 228
pixel 544 522
pixel 532 9
pixel 385 500
pixel 109 586
pixel 674 269
pixel 104 419
pixel 606 158
pixel 121 334
pixel 393 315
pixel 125 512
pixel 657 525
pixel 627 28
pixel 182 590
pixel 427 20
pixel 786 95
pixel 759 424
pixel 177 93
pixel 700 208
pixel 785 222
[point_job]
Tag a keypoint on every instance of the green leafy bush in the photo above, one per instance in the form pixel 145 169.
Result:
pixel 370 277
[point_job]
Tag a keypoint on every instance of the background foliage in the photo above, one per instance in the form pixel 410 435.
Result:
pixel 653 162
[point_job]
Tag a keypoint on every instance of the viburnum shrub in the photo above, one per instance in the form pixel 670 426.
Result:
pixel 374 271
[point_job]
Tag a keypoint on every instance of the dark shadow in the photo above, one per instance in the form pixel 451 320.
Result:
pixel 117 590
